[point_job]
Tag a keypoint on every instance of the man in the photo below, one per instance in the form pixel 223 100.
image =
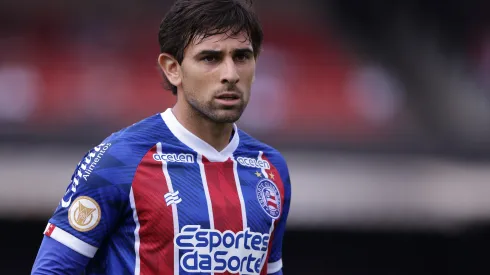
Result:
pixel 181 192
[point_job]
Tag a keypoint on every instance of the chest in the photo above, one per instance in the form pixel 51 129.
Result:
pixel 183 190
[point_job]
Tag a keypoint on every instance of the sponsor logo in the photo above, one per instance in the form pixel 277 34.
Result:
pixel 84 214
pixel 186 158
pixel 206 250
pixel 84 170
pixel 92 159
pixel 172 198
pixel 269 198
pixel 255 163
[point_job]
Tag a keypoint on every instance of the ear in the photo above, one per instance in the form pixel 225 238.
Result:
pixel 171 68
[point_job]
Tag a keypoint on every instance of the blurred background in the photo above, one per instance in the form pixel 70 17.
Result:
pixel 381 108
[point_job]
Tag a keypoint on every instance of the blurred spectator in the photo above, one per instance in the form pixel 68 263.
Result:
pixel 20 86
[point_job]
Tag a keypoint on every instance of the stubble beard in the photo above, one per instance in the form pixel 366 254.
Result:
pixel 217 114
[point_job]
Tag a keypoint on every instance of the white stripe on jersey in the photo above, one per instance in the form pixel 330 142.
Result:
pixel 174 210
pixel 274 267
pixel 70 241
pixel 136 234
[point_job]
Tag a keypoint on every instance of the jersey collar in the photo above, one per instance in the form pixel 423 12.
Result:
pixel 197 144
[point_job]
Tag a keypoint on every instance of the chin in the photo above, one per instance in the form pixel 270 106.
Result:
pixel 226 119
pixel 225 116
pixel 217 113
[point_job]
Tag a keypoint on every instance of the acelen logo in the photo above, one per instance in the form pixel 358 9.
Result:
pixel 186 158
pixel 254 163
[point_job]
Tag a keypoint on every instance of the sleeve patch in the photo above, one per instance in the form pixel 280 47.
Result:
pixel 84 214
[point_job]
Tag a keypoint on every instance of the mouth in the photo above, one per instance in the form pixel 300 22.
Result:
pixel 228 96
pixel 228 99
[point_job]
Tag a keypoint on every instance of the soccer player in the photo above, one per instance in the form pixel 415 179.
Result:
pixel 183 191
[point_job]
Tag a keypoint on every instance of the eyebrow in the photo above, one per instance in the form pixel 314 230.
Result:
pixel 244 50
pixel 213 52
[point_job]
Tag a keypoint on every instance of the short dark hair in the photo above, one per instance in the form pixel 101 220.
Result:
pixel 187 19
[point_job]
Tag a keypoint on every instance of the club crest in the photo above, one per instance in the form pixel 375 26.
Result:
pixel 269 197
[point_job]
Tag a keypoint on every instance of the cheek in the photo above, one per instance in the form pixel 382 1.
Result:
pixel 247 79
pixel 194 82
pixel 247 73
pixel 202 77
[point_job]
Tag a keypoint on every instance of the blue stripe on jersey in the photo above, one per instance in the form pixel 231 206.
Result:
pixel 186 178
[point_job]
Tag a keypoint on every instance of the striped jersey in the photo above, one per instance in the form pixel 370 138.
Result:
pixel 154 198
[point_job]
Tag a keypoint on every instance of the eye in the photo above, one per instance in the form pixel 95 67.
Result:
pixel 242 57
pixel 209 59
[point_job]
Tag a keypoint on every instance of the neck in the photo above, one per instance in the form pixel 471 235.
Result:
pixel 215 134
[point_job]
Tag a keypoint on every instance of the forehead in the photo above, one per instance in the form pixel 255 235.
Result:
pixel 219 42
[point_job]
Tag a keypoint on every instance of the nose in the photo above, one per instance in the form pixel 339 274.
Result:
pixel 229 72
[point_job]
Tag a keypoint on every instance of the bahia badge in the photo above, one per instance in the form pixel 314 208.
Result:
pixel 269 198
pixel 84 214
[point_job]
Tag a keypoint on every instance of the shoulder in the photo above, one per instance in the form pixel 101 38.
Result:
pixel 275 161
pixel 135 140
pixel 116 158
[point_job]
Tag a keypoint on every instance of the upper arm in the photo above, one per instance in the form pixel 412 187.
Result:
pixel 92 205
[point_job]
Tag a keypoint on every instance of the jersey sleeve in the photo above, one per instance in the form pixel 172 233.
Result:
pixel 274 265
pixel 55 258
pixel 92 204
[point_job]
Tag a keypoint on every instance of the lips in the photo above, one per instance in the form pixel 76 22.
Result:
pixel 228 96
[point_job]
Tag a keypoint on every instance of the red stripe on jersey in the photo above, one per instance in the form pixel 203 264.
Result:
pixel 227 211
pixel 276 178
pixel 155 217
pixel 49 230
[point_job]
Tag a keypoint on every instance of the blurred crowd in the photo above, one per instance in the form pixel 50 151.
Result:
pixel 410 75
